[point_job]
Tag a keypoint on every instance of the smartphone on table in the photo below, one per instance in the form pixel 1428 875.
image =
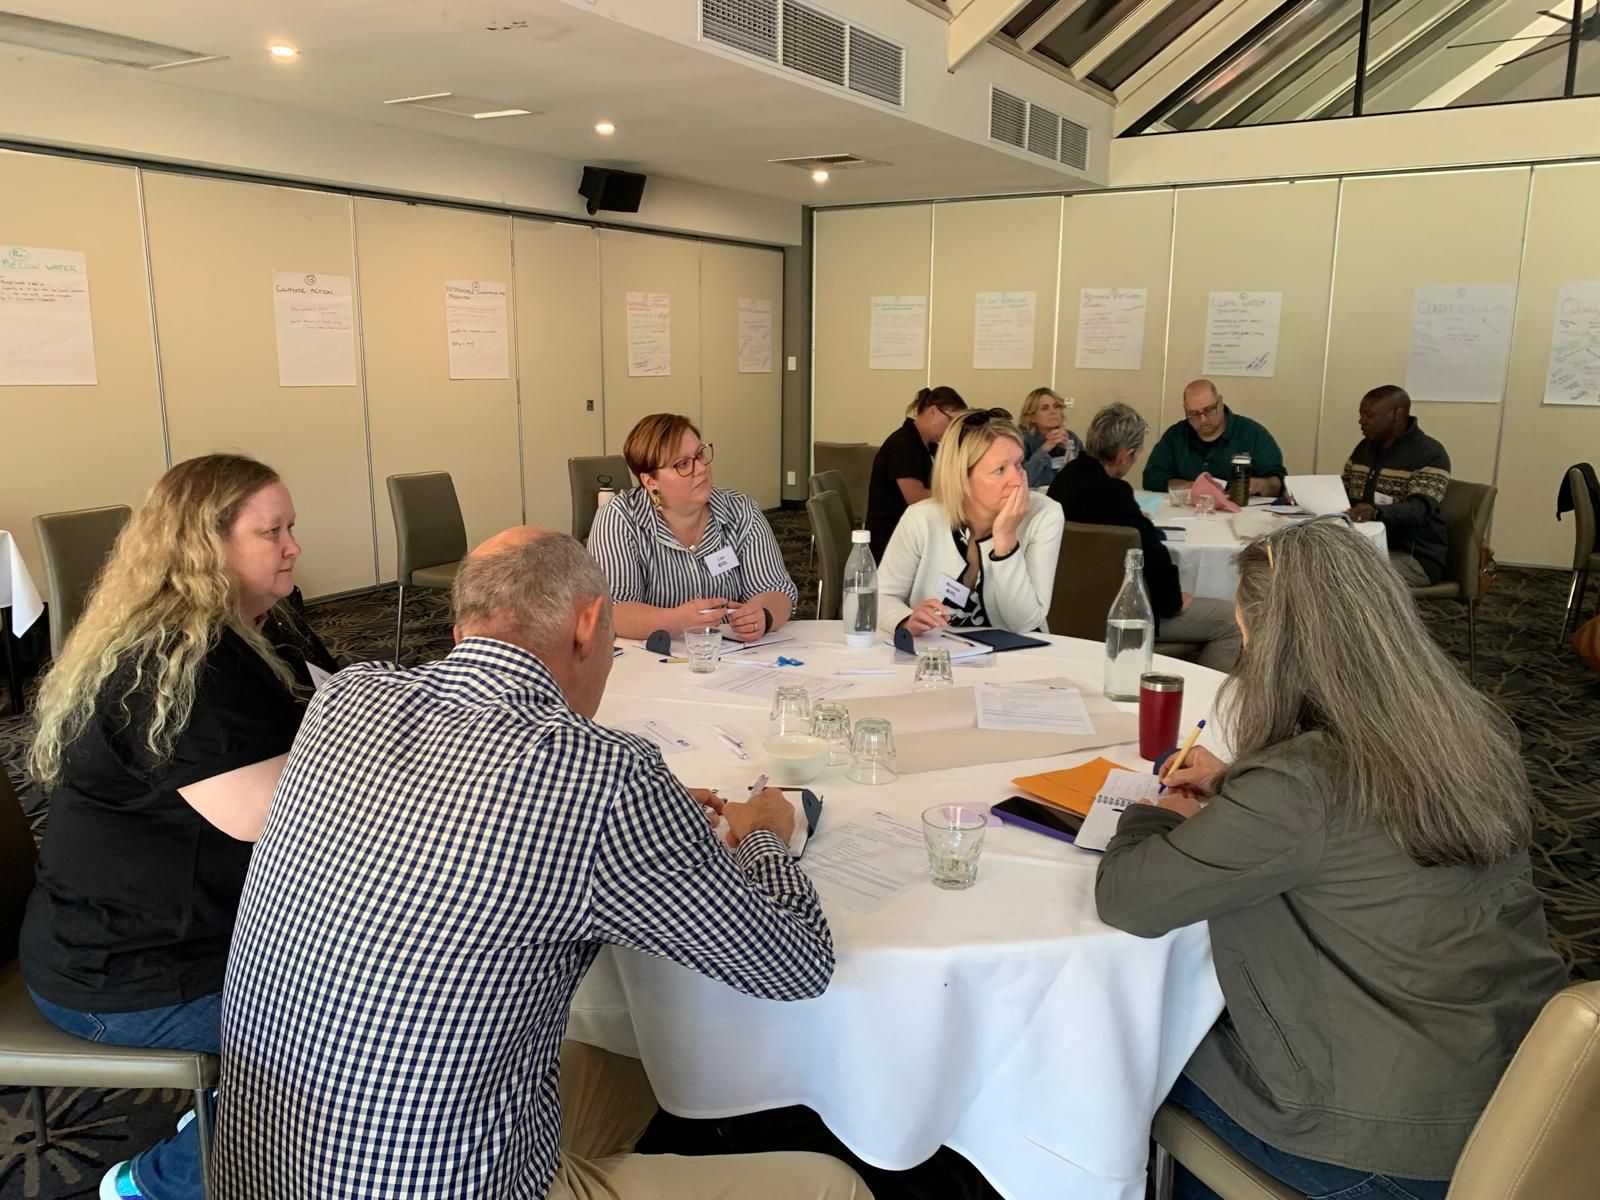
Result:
pixel 1048 819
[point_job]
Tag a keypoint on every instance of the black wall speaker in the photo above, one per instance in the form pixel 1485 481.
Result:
pixel 614 191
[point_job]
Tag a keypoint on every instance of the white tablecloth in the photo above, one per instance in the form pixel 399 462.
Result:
pixel 1208 570
pixel 1005 1021
pixel 17 588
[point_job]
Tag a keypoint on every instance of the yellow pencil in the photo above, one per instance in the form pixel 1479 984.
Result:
pixel 1177 760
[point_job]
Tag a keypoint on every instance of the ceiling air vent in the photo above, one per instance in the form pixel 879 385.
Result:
pixel 1074 145
pixel 828 162
pixel 748 25
pixel 815 43
pixel 98 45
pixel 1008 119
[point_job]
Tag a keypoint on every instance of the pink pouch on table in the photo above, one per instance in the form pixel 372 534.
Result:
pixel 1207 486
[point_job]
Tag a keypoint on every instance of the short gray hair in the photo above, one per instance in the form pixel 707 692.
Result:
pixel 532 587
pixel 1115 428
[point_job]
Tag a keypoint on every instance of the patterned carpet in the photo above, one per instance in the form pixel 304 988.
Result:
pixel 1552 697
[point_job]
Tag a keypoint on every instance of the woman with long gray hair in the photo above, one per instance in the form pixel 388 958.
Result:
pixel 1363 866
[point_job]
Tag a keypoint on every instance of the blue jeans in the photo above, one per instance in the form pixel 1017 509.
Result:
pixel 1318 1180
pixel 169 1170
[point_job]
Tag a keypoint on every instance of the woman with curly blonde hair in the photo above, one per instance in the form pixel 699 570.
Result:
pixel 162 730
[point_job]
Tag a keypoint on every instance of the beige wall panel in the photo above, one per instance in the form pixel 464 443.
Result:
pixel 558 360
pixel 213 248
pixel 637 262
pixel 1397 232
pixel 742 414
pixel 1260 238
pixel 422 420
pixel 1541 441
pixel 993 246
pixel 1121 241
pixel 862 253
pixel 81 447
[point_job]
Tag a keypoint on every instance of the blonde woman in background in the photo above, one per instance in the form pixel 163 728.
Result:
pixel 1047 443
pixel 982 530
pixel 162 732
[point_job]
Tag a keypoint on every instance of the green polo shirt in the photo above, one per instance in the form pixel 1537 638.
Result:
pixel 1180 454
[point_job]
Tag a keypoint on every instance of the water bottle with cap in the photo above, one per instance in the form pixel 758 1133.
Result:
pixel 1130 632
pixel 860 591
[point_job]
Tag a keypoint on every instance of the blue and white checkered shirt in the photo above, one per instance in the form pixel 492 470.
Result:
pixel 449 848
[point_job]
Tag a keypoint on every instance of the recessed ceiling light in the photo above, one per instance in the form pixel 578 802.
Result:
pixel 605 128
pixel 819 177
pixel 282 51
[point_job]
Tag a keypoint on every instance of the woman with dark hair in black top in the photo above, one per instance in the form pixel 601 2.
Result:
pixel 904 463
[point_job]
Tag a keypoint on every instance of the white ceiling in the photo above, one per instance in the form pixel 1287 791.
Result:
pixel 680 111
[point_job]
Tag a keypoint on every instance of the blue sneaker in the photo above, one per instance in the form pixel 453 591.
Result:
pixel 118 1184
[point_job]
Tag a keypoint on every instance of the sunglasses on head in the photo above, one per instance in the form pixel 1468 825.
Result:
pixel 977 418
pixel 1266 540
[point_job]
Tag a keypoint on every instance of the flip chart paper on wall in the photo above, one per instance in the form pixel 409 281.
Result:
pixel 316 329
pixel 475 323
pixel 1574 373
pixel 1002 331
pixel 1460 337
pixel 1242 334
pixel 1111 328
pixel 46 330
pixel 755 337
pixel 649 334
pixel 898 339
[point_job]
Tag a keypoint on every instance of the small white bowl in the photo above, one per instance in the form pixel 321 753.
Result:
pixel 796 757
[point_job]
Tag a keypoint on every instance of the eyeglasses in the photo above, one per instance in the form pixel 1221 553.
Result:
pixel 1266 540
pixel 977 418
pixel 1204 414
pixel 685 466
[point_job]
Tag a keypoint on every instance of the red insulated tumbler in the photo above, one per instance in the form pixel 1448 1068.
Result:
pixel 1160 713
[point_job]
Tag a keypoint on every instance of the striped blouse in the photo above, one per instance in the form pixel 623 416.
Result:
pixel 645 564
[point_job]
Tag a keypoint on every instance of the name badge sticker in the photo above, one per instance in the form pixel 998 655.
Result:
pixel 721 562
pixel 955 592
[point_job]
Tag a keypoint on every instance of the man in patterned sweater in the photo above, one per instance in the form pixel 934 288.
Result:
pixel 1397 474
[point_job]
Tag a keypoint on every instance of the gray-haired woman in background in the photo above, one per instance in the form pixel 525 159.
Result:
pixel 1363 865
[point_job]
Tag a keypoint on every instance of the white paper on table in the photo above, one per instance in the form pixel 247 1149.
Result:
pixel 1242 334
pixel 865 863
pixel 1032 707
pixel 1460 340
pixel 1573 376
pixel 1320 494
pixel 316 328
pixel 1111 328
pixel 755 337
pixel 46 327
pixel 476 328
pixel 760 685
pixel 760 654
pixel 667 738
pixel 958 646
pixel 649 334
pixel 898 335
pixel 1121 789
pixel 1216 530
pixel 1002 331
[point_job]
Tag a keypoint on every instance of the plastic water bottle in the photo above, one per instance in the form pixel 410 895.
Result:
pixel 861 592
pixel 1130 632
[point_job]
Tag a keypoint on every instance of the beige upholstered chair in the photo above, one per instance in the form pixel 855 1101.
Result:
pixel 1534 1141
pixel 830 527
pixel 587 476
pixel 75 546
pixel 1585 557
pixel 35 1054
pixel 430 536
pixel 1468 508
pixel 835 481
pixel 854 461
pixel 1088 576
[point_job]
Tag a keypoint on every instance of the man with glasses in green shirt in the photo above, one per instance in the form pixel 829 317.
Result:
pixel 1207 438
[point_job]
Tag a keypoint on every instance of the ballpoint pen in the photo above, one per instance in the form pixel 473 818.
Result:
pixel 655 728
pixel 731 742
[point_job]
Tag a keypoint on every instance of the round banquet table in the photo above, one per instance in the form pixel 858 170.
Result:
pixel 1205 568
pixel 1005 1021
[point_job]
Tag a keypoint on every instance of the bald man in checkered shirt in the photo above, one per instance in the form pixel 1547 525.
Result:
pixel 450 847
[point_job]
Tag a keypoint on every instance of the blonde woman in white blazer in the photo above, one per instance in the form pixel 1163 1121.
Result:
pixel 982 550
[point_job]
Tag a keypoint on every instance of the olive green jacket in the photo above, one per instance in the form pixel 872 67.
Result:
pixel 1372 1004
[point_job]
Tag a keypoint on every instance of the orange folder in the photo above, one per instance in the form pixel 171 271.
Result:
pixel 1073 789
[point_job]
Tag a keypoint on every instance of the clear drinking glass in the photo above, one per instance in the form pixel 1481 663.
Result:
pixel 831 723
pixel 933 669
pixel 791 709
pixel 954 835
pixel 872 752
pixel 1205 505
pixel 1178 495
pixel 704 643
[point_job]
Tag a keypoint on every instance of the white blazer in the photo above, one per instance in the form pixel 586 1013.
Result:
pixel 1016 590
